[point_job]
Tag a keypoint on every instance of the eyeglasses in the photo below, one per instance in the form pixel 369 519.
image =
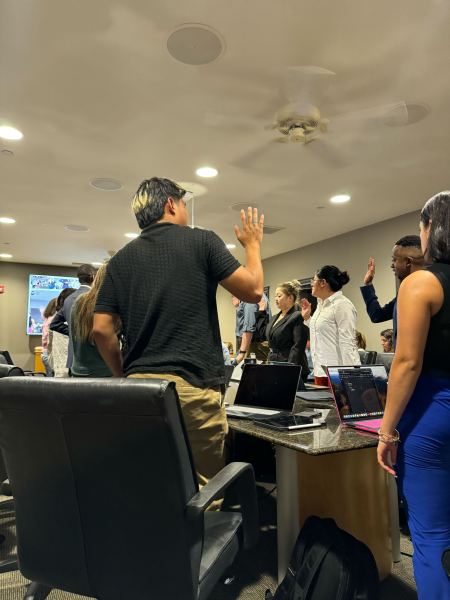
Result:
pixel 315 280
pixel 187 197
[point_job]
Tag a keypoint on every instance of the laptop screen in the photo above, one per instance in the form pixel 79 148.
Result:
pixel 360 392
pixel 269 386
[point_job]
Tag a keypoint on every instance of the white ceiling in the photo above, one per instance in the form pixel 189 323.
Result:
pixel 96 94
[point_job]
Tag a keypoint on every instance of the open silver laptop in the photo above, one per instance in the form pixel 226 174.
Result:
pixel 265 390
pixel 360 394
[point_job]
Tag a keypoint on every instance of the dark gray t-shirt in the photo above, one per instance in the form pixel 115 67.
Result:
pixel 163 286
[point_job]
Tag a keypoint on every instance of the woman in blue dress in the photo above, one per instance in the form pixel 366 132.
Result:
pixel 414 438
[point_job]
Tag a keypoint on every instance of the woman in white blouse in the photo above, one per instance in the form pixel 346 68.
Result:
pixel 332 327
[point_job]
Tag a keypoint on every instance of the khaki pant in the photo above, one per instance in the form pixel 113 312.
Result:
pixel 206 423
pixel 260 349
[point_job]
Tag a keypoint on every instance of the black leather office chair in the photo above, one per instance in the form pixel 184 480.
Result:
pixel 10 371
pixel 66 442
pixel 368 357
pixel 6 506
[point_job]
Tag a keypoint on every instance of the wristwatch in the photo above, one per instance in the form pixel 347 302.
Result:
pixel 242 352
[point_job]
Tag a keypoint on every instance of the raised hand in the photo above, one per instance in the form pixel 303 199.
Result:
pixel 370 271
pixel 305 307
pixel 252 227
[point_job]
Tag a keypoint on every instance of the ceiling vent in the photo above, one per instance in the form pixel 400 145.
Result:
pixel 242 206
pixel 76 228
pixel 106 184
pixel 195 44
pixel 271 230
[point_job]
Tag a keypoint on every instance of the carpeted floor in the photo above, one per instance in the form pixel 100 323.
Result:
pixel 254 571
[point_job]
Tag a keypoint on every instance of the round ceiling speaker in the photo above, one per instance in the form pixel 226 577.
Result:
pixel 414 112
pixel 195 44
pixel 105 184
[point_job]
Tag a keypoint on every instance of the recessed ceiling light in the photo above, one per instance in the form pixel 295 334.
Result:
pixel 7 220
pixel 106 184
pixel 132 236
pixel 206 172
pixel 6 256
pixel 10 133
pixel 340 199
pixel 96 264
pixel 76 228
pixel 230 246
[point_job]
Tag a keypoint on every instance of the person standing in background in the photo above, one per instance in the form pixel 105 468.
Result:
pixel 286 333
pixel 58 343
pixel 48 314
pixel 61 322
pixel 246 314
pixel 407 257
pixel 87 361
pixel 332 328
pixel 414 437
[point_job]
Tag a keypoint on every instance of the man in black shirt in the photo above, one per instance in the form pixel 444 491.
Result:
pixel 163 286
pixel 407 257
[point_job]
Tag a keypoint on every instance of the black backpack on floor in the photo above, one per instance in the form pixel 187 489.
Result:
pixel 328 563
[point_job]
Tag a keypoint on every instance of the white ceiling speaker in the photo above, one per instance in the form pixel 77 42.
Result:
pixel 106 184
pixel 195 44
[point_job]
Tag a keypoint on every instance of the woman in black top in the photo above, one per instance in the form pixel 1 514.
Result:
pixel 286 333
pixel 418 402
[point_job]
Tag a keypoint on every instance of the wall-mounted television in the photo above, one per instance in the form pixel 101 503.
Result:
pixel 41 289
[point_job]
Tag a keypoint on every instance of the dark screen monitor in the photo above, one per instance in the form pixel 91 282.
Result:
pixel 385 359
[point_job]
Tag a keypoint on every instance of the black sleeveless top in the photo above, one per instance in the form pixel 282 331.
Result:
pixel 436 358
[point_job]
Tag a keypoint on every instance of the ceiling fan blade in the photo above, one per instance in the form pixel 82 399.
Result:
pixel 307 84
pixel 250 160
pixel 328 153
pixel 395 113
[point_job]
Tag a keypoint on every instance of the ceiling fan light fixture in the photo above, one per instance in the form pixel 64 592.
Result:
pixel 340 199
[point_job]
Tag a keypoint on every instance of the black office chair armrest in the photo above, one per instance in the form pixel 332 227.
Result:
pixel 34 373
pixel 242 477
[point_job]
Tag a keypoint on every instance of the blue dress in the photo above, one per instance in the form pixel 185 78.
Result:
pixel 423 460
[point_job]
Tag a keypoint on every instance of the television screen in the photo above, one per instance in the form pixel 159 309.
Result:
pixel 41 289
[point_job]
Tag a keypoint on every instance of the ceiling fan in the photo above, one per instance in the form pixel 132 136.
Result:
pixel 300 121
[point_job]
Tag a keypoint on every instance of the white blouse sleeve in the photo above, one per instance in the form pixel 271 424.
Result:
pixel 345 315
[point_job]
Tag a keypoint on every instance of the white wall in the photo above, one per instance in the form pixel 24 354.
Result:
pixel 349 252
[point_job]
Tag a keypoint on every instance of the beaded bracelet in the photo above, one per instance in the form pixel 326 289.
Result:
pixel 387 438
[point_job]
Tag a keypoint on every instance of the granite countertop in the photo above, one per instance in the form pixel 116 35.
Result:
pixel 328 438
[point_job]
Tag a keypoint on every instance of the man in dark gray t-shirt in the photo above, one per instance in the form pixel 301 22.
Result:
pixel 167 338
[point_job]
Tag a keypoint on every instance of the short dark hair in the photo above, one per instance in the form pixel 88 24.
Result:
pixel 86 274
pixel 333 276
pixel 151 197
pixel 409 241
pixel 437 210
